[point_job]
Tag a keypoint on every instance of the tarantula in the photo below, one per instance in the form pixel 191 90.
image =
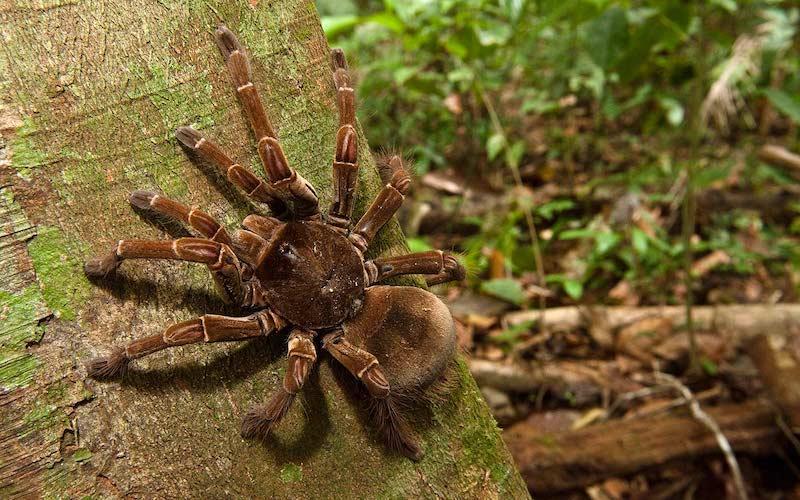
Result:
pixel 303 272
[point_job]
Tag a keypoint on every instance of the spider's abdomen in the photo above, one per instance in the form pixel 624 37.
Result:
pixel 312 275
pixel 409 330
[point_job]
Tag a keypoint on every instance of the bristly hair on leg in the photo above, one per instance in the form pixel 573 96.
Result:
pixel 102 267
pixel 385 170
pixel 259 420
pixel 111 366
pixel 393 427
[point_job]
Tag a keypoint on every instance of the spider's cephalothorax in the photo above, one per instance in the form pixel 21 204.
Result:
pixel 302 271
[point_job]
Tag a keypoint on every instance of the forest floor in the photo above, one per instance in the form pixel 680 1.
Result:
pixel 602 399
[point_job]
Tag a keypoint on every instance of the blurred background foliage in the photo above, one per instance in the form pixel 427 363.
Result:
pixel 560 140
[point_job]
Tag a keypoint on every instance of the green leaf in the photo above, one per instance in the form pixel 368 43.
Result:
pixel 673 109
pixel 605 241
pixel 510 336
pixel 551 208
pixel 418 245
pixel 494 145
pixel 403 74
pixel 729 5
pixel 607 37
pixel 639 241
pixel 334 26
pixel 786 104
pixel 504 289
pixel 574 288
pixel 577 234
pixel 514 154
pixel 709 367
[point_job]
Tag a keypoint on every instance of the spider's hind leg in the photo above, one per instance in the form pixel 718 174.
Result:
pixel 384 407
pixel 259 420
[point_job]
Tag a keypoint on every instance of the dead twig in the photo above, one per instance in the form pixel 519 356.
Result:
pixel 712 425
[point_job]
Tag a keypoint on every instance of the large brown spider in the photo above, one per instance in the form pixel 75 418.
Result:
pixel 303 271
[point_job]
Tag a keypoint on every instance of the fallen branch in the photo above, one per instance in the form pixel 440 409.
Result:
pixel 584 377
pixel 780 373
pixel 576 459
pixel 780 156
pixel 743 321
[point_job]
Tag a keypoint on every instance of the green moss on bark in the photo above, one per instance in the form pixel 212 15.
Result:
pixel 102 99
pixel 60 272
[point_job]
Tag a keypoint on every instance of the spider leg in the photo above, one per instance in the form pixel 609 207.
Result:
pixel 302 355
pixel 441 265
pixel 219 258
pixel 197 219
pixel 366 368
pixel 239 176
pixel 207 328
pixel 284 180
pixel 383 207
pixel 345 163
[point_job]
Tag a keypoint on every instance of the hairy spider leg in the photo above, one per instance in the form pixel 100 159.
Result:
pixel 283 179
pixel 251 243
pixel 302 355
pixel 383 207
pixel 247 246
pixel 219 258
pixel 365 366
pixel 194 217
pixel 236 174
pixel 345 162
pixel 206 328
pixel 440 266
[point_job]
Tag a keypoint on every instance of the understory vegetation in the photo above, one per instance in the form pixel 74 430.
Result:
pixel 590 152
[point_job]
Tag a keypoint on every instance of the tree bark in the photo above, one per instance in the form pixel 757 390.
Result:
pixel 91 94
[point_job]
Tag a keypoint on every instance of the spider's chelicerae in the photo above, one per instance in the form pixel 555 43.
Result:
pixel 303 272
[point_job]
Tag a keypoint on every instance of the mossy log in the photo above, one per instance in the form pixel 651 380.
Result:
pixel 91 94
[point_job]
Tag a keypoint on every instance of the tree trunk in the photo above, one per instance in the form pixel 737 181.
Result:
pixel 91 94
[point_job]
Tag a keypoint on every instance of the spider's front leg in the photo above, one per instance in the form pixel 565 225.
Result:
pixel 302 355
pixel 345 163
pixel 283 180
pixel 206 328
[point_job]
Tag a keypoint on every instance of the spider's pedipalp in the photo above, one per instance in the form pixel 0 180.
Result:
pixel 227 41
pixel 439 266
pixel 239 176
pixel 102 266
pixel 206 328
pixel 259 420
